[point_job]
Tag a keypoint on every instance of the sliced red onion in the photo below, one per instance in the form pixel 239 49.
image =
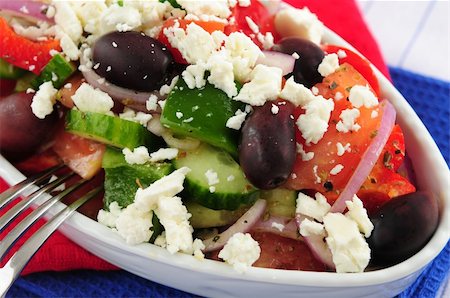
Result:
pixel 242 225
pixel 277 59
pixel 368 159
pixel 283 226
pixel 33 10
pixel 317 245
pixel 130 98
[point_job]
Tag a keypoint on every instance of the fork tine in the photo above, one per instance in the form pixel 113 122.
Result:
pixel 26 223
pixel 7 218
pixel 12 269
pixel 16 190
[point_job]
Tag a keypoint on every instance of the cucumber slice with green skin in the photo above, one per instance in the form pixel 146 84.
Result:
pixel 110 130
pixel 280 202
pixel 232 190
pixel 203 217
pixel 123 180
pixel 202 114
pixel 57 71
pixel 9 71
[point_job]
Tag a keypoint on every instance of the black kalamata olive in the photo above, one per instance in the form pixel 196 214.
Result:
pixel 311 55
pixel 267 148
pixel 402 227
pixel 132 60
pixel 21 132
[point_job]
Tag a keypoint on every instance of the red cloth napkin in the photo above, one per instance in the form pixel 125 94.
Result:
pixel 344 17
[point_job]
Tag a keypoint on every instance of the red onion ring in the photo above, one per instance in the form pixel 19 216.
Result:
pixel 277 59
pixel 290 229
pixel 368 159
pixel 130 98
pixel 317 245
pixel 243 225
pixel 33 10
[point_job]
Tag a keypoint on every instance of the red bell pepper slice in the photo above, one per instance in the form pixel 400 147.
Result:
pixel 25 53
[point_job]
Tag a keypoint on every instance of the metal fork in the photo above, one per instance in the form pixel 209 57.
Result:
pixel 10 272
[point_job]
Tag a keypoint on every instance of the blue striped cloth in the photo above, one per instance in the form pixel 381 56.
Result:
pixel 429 97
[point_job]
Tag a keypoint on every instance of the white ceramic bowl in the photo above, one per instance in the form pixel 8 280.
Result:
pixel 215 279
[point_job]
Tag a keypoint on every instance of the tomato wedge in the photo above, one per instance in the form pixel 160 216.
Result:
pixel 361 64
pixel 83 156
pixel 316 174
pixel 22 52
pixel 208 26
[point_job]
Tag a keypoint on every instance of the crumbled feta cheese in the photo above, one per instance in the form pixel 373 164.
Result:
pixel 221 73
pixel 179 115
pixel 88 99
pixel 30 90
pixel 198 246
pixel 168 186
pixel 118 18
pixel 174 216
pixel 243 54
pixel 374 114
pixel 305 155
pixel 328 65
pixel 347 122
pixel 362 96
pixel 244 3
pixel 235 122
pixel 43 100
pixel 67 20
pixel 163 154
pixel 278 226
pixel 274 109
pixel 161 240
pixel 138 156
pixel 350 251
pixel 336 169
pixel 152 103
pixel 194 76
pixel 212 177
pixel 338 96
pixel 315 90
pixel 311 228
pixel 133 224
pixel 109 218
pixel 342 149
pixel 265 84
pixel 296 55
pixel 217 8
pixel 241 251
pixel 138 117
pixel 318 179
pixel 358 213
pixel 314 123
pixel 252 25
pixel 299 23
pixel 166 89
pixel 296 93
pixel 341 54
pixel 315 208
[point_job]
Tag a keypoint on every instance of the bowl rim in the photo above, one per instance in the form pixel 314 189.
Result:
pixel 414 264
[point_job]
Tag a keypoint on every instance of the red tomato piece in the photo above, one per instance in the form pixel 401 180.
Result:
pixel 83 156
pixel 361 64
pixel 315 173
pixel 284 253
pixel 259 14
pixel 22 52
pixel 209 26
pixel 38 162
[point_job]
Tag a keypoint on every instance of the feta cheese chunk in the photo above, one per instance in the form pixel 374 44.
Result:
pixel 241 251
pixel 264 85
pixel 362 96
pixel 311 228
pixel 138 156
pixel 299 23
pixel 314 123
pixel 296 93
pixel 328 65
pixel 133 224
pixel 347 122
pixel 235 122
pixel 218 8
pixel 358 213
pixel 164 154
pixel 315 208
pixel 43 100
pixel 350 251
pixel 88 99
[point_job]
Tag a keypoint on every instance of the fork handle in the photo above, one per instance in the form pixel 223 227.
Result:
pixel 18 261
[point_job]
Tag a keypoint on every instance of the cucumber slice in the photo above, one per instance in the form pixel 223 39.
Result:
pixel 203 217
pixel 9 71
pixel 280 202
pixel 202 114
pixel 57 71
pixel 122 180
pixel 229 193
pixel 110 130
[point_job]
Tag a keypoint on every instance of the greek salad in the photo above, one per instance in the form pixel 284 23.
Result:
pixel 226 130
